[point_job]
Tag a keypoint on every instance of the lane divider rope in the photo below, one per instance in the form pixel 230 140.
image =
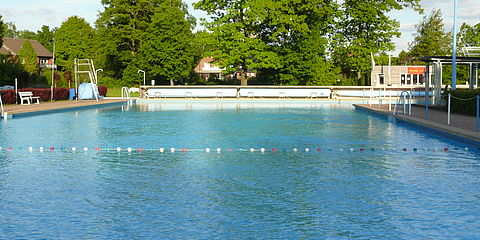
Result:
pixel 220 150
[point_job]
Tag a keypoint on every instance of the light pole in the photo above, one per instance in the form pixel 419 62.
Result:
pixel 53 71
pixel 454 54
pixel 141 71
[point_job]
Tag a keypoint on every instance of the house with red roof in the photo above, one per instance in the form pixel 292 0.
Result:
pixel 11 49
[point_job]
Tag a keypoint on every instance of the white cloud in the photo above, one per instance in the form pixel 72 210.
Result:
pixel 51 13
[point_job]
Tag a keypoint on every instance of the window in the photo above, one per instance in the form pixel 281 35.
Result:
pixel 402 79
pixel 421 79
pixel 381 78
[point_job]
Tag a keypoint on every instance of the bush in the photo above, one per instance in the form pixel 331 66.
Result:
pixel 458 105
pixel 102 90
pixel 8 96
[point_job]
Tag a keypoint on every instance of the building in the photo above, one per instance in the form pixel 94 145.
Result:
pixel 398 76
pixel 11 48
pixel 207 69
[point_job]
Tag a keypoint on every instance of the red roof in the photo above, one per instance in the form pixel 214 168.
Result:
pixel 12 46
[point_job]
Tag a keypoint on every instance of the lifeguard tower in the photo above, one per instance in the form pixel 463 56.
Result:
pixel 86 79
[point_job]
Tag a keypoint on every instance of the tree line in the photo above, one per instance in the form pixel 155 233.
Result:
pixel 286 42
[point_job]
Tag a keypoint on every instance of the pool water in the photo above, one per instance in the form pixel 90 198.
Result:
pixel 372 179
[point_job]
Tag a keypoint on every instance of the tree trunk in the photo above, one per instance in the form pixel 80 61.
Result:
pixel 171 82
pixel 359 78
pixel 243 74
pixel 243 78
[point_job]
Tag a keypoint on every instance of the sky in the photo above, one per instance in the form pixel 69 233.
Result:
pixel 32 14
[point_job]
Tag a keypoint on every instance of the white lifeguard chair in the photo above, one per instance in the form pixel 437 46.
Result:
pixel 84 70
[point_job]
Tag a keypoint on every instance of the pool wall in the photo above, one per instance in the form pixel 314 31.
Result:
pixel 461 135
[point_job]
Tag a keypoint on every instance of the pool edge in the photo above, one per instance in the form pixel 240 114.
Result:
pixel 68 109
pixel 465 136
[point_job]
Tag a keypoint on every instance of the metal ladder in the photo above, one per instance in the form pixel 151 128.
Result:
pixel 125 93
pixel 406 104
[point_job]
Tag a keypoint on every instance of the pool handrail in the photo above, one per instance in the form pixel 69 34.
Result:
pixel 1 105
pixel 125 93
pixel 401 100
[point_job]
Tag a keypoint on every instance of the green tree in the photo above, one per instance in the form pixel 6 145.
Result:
pixel 2 30
pixel 235 28
pixel 168 44
pixel 45 37
pixel 27 34
pixel 11 30
pixel 364 28
pixel 469 36
pixel 127 43
pixel 28 57
pixel 298 32
pixel 431 38
pixel 73 39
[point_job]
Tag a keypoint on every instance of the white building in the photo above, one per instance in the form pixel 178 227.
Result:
pixel 398 76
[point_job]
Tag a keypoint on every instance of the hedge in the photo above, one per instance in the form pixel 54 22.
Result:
pixel 468 107
pixel 8 96
pixel 102 90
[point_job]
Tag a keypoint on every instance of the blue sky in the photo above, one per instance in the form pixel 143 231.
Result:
pixel 32 14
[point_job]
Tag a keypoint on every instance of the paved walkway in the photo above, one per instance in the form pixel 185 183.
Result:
pixel 460 125
pixel 46 106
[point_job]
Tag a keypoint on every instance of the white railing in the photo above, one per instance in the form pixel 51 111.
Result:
pixel 471 51
pixel 125 93
pixel 401 101
pixel 1 105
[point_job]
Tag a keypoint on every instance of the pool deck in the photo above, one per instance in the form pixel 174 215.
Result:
pixel 461 126
pixel 13 110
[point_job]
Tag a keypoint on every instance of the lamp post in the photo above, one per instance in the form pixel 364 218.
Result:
pixel 53 71
pixel 454 54
pixel 141 71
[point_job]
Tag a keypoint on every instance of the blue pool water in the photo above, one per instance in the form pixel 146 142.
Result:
pixel 340 192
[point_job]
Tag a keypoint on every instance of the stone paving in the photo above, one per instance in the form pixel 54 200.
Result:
pixel 45 106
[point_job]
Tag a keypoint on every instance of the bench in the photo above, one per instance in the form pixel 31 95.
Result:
pixel 28 96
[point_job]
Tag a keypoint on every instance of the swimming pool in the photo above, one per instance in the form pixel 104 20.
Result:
pixel 327 171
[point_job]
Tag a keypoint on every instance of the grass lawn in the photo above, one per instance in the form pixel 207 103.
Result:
pixel 117 92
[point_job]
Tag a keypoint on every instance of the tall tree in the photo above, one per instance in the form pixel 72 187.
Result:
pixel 11 30
pixel 122 27
pixel 431 38
pixel 235 28
pixel 28 57
pixel 45 37
pixel 364 28
pixel 73 39
pixel 298 32
pixel 2 30
pixel 168 44
pixel 469 36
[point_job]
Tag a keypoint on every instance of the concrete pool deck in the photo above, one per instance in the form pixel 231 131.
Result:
pixel 461 126
pixel 17 110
